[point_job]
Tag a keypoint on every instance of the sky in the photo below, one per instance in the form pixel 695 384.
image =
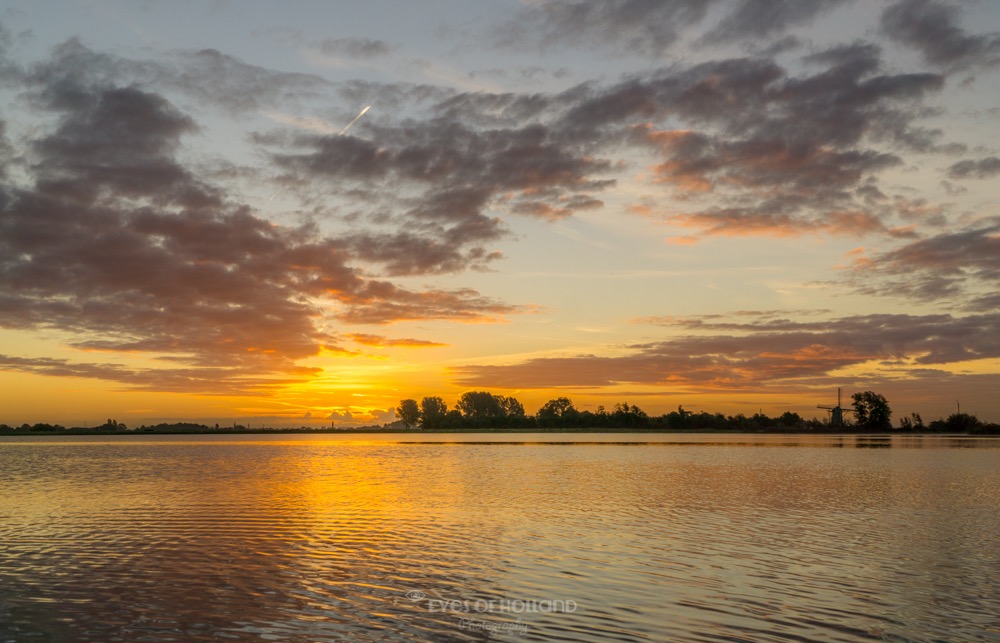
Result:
pixel 300 213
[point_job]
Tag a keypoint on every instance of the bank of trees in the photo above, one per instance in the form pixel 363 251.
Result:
pixel 482 409
pixel 474 409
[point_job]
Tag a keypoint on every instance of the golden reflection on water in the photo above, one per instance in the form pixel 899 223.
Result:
pixel 315 538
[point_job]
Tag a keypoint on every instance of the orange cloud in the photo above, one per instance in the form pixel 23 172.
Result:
pixel 379 341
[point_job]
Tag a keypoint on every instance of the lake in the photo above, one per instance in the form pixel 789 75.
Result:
pixel 474 537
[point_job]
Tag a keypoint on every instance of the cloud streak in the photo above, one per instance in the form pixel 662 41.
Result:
pixel 734 356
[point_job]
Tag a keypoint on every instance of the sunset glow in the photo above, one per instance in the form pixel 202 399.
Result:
pixel 233 213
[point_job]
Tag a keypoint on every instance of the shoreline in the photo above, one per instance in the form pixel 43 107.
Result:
pixel 378 431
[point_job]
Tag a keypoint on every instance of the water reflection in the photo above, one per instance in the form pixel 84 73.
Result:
pixel 321 540
pixel 813 440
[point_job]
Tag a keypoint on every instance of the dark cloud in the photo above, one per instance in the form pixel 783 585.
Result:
pixel 358 48
pixel 755 19
pixel 732 93
pixel 961 267
pixel 459 174
pixel 651 27
pixel 975 169
pixel 844 104
pixel 384 303
pixel 740 355
pixel 404 253
pixel 206 76
pixel 531 157
pixel 697 163
pixel 6 150
pixel 932 28
pixel 784 154
pixel 779 153
pixel 119 144
pixel 118 243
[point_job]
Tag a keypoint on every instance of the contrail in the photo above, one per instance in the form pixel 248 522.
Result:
pixel 360 114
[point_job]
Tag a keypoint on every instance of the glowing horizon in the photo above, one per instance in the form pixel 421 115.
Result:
pixel 630 203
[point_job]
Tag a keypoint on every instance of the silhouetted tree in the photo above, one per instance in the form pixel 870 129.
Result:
pixel 679 419
pixel 512 408
pixel 479 405
pixel 560 412
pixel 871 411
pixel 912 423
pixel 791 420
pixel 957 423
pixel 432 412
pixel 408 412
pixel 42 426
pixel 629 415
pixel 112 425
pixel 556 408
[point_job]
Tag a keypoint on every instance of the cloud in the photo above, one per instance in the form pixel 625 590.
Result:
pixel 387 303
pixel 454 177
pixel 379 341
pixel 651 29
pixel 696 163
pixel 114 240
pixel 638 26
pixel 215 78
pixel 757 19
pixel 775 153
pixel 970 169
pixel 962 267
pixel 932 28
pixel 204 381
pixel 771 218
pixel 208 76
pixel 356 48
pixel 762 355
pixel 772 153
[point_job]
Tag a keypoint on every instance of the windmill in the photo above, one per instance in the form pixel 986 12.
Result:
pixel 836 412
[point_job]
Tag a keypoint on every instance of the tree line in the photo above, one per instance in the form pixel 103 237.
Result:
pixel 869 412
pixel 484 410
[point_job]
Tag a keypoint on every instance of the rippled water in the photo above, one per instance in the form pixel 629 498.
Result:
pixel 499 537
